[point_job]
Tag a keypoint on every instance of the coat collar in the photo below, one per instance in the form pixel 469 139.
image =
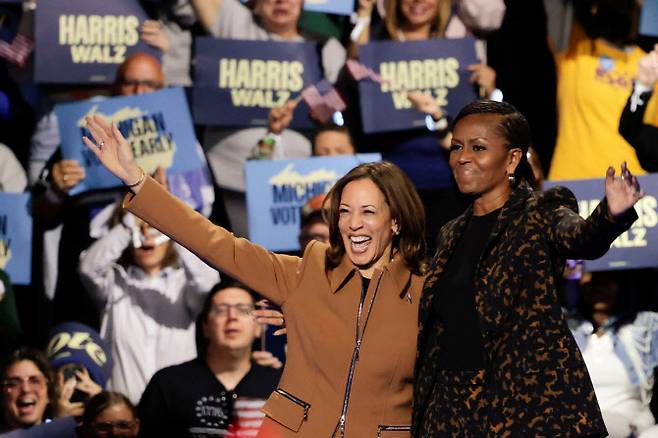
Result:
pixel 515 203
pixel 341 274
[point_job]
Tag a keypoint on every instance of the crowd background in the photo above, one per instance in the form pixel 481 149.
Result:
pixel 113 302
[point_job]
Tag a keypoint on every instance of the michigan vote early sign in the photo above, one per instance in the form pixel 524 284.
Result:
pixel 635 248
pixel 157 125
pixel 278 189
pixel 84 41
pixel 435 66
pixel 16 236
pixel 236 83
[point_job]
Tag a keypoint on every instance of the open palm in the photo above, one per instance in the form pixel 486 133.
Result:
pixel 622 192
pixel 112 150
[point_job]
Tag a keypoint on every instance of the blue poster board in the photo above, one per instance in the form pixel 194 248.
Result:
pixel 338 7
pixel 649 18
pixel 436 66
pixel 16 236
pixel 236 83
pixel 82 41
pixel 157 125
pixel 637 247
pixel 278 189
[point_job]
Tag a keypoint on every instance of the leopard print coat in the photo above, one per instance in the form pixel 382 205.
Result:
pixel 536 382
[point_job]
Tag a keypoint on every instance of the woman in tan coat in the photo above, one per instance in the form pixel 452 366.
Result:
pixel 351 307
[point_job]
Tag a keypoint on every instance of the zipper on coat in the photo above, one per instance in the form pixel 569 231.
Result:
pixel 382 429
pixel 339 431
pixel 295 400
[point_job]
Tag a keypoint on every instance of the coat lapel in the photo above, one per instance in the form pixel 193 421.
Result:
pixel 452 237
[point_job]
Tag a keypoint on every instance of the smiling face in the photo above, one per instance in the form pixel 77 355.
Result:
pixel 365 224
pixel 416 14
pixel 480 158
pixel 230 324
pixel 25 394
pixel 279 16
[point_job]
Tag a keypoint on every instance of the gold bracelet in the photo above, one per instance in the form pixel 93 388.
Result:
pixel 139 181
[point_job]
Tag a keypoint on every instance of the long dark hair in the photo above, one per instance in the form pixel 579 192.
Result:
pixel 513 127
pixel 405 205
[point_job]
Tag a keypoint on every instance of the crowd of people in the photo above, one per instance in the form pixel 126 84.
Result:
pixel 429 296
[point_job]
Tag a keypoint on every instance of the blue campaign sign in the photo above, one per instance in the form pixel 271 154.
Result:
pixel 157 125
pixel 82 41
pixel 278 189
pixel 649 18
pixel 16 236
pixel 637 247
pixel 338 7
pixel 236 83
pixel 435 66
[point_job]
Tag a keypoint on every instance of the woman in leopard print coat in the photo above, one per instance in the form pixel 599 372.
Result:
pixel 495 356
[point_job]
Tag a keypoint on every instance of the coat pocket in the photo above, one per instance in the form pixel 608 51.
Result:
pixel 384 431
pixel 286 409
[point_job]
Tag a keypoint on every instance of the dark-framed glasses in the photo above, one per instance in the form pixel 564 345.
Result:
pixel 35 382
pixel 134 83
pixel 240 309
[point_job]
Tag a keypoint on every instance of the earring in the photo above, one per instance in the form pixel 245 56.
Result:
pixel 511 179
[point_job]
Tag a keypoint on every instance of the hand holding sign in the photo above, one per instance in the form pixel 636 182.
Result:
pixel 647 71
pixel 114 152
pixel 425 103
pixel 154 35
pixel 280 117
pixel 622 192
pixel 483 76
pixel 67 174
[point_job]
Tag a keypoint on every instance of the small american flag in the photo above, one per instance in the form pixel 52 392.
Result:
pixel 18 51
pixel 323 100
pixel 247 417
pixel 360 72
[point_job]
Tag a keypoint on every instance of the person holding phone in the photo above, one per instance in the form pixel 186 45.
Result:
pixel 223 389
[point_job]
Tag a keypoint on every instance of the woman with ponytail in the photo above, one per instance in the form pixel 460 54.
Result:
pixel 496 357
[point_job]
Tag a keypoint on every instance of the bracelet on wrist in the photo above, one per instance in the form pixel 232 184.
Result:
pixel 141 179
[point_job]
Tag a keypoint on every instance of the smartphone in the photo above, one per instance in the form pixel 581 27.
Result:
pixel 68 372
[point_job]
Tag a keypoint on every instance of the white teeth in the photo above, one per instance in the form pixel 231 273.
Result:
pixel 359 239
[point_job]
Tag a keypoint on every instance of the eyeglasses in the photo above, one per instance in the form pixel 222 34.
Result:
pixel 109 426
pixel 33 383
pixel 134 83
pixel 223 309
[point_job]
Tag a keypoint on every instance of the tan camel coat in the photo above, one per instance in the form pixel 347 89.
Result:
pixel 320 308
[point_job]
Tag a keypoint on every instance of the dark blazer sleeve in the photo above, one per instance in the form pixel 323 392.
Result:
pixel 577 238
pixel 643 137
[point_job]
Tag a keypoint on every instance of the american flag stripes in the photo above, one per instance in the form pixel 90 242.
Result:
pixel 360 72
pixel 18 51
pixel 323 100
